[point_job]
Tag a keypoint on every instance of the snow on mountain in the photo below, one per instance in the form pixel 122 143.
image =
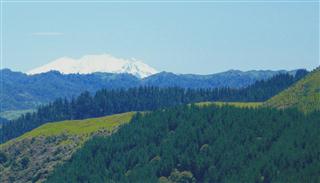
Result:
pixel 96 63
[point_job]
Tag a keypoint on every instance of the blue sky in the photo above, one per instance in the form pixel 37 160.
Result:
pixel 185 37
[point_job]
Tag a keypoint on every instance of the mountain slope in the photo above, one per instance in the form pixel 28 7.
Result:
pixel 96 63
pixel 32 156
pixel 304 95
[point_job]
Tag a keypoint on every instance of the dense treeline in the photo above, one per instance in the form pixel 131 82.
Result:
pixel 262 90
pixel 3 120
pixel 209 144
pixel 21 91
pixel 105 102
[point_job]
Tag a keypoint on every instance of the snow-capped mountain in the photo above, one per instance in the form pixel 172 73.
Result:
pixel 97 63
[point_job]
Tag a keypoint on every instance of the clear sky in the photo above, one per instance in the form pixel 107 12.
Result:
pixel 179 37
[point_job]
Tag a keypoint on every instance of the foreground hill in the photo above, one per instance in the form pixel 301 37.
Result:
pixel 202 144
pixel 32 156
pixel 21 91
pixel 304 95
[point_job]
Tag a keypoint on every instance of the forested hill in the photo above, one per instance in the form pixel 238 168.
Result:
pixel 21 91
pixel 304 95
pixel 106 102
pixel 203 144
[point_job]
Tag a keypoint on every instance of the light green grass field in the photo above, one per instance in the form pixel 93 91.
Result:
pixel 235 104
pixel 83 128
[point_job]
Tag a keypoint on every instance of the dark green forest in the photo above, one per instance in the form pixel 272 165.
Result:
pixel 106 102
pixel 203 144
pixel 3 120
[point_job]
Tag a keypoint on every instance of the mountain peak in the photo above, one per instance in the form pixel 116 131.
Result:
pixel 97 63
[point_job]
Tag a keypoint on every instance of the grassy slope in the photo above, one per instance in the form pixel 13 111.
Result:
pixel 235 104
pixel 51 144
pixel 80 127
pixel 83 128
pixel 304 95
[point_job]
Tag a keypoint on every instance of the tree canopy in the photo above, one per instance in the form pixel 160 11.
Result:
pixel 203 144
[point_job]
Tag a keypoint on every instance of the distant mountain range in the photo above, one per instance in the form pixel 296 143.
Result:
pixel 231 78
pixel 22 91
pixel 97 63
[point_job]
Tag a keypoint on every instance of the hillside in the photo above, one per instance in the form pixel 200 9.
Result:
pixel 54 143
pixel 304 95
pixel 202 144
pixel 22 91
pixel 32 156
pixel 106 102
